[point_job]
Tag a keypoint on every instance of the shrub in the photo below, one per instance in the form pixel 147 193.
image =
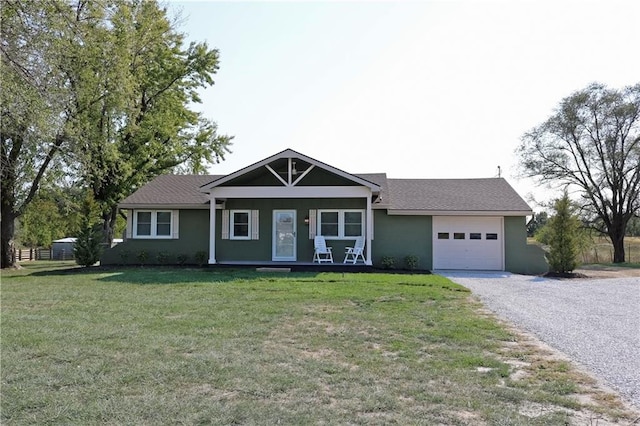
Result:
pixel 142 256
pixel 389 262
pixel 563 231
pixel 201 257
pixel 124 256
pixel 163 257
pixel 87 249
pixel 411 262
pixel 182 259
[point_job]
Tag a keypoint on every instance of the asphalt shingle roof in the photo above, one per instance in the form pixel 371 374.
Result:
pixel 171 190
pixel 491 194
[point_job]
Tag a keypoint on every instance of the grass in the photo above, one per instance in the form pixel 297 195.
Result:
pixel 188 346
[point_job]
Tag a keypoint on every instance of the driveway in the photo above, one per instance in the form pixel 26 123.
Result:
pixel 596 322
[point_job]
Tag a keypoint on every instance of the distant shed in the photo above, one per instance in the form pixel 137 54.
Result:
pixel 63 249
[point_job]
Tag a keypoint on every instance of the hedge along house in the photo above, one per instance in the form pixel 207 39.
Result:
pixel 269 213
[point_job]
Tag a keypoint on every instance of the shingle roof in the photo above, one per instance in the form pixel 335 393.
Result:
pixel 490 194
pixel 437 195
pixel 171 190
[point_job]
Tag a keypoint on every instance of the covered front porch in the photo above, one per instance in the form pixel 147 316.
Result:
pixel 270 213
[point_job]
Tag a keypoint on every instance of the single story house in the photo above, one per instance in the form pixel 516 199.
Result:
pixel 269 213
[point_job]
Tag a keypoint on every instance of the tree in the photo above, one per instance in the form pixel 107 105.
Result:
pixel 100 92
pixel 149 129
pixel 87 248
pixel 538 221
pixel 41 224
pixel 32 107
pixel 592 142
pixel 562 233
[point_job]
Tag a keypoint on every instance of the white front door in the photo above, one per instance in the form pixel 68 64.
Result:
pixel 284 235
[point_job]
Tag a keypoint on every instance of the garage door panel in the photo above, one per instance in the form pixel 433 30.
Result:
pixel 467 243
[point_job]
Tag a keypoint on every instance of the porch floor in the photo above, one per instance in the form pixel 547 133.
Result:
pixel 297 266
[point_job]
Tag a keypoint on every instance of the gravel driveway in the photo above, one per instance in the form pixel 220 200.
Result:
pixel 596 322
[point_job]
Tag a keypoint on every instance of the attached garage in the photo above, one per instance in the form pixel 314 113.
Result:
pixel 468 242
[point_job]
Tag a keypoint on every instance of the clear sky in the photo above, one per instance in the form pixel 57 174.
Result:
pixel 431 89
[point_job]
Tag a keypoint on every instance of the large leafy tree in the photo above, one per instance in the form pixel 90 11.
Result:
pixel 100 92
pixel 35 106
pixel 592 143
pixel 149 128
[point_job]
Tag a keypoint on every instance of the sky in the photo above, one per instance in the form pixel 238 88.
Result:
pixel 416 89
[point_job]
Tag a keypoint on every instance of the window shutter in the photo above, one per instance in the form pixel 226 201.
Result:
pixel 255 225
pixel 175 224
pixel 129 231
pixel 312 224
pixel 225 224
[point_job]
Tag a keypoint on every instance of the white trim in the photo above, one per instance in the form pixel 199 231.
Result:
pixel 294 225
pixel 232 219
pixel 391 212
pixel 129 230
pixel 291 192
pixel 290 154
pixel 202 206
pixel 212 231
pixel 224 225
pixel 153 225
pixel 341 223
pixel 255 224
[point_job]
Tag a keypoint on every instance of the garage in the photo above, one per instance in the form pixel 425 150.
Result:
pixel 468 242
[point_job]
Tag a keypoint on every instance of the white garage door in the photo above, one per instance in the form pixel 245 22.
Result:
pixel 468 242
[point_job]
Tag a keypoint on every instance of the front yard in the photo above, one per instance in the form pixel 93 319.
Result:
pixel 189 346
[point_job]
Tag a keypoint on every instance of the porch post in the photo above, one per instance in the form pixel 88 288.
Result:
pixel 369 230
pixel 212 230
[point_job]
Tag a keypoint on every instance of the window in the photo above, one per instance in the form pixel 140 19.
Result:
pixel 443 235
pixel 240 224
pixel 491 236
pixel 341 223
pixel 458 235
pixel 475 236
pixel 153 224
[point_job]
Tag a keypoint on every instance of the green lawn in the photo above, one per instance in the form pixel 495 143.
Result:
pixel 188 346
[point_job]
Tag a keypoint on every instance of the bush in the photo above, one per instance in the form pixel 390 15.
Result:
pixel 563 236
pixel 163 257
pixel 124 256
pixel 87 249
pixel 389 262
pixel 142 256
pixel 411 262
pixel 201 258
pixel 182 259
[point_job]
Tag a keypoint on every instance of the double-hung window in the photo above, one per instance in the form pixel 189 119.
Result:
pixel 341 223
pixel 240 224
pixel 152 224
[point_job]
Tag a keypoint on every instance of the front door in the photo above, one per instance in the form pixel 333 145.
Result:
pixel 284 235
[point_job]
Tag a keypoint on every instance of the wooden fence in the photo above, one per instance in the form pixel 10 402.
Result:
pixel 22 255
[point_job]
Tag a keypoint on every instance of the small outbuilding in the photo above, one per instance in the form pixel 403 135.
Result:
pixel 62 249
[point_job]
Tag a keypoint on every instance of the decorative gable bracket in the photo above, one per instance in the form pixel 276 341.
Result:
pixel 293 175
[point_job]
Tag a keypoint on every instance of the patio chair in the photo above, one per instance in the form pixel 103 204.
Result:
pixel 321 253
pixel 351 254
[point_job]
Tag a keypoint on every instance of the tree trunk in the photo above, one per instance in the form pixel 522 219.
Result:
pixel 109 224
pixel 616 234
pixel 7 223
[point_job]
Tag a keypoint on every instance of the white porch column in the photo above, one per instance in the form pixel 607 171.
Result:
pixel 212 230
pixel 369 230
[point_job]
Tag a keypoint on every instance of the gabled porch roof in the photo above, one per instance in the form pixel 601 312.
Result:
pixel 287 168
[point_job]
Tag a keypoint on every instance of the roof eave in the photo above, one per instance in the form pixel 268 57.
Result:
pixel 416 212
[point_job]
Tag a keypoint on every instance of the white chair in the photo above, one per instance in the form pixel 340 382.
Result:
pixel 321 253
pixel 351 254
